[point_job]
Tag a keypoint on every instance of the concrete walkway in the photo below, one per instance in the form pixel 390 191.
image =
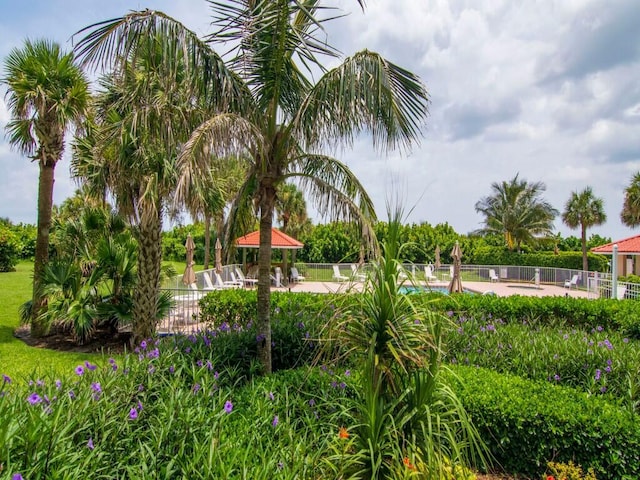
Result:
pixel 502 289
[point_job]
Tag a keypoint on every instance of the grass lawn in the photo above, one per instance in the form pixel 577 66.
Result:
pixel 19 360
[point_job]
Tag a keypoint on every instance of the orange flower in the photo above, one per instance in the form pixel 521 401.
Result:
pixel 550 477
pixel 408 464
pixel 343 433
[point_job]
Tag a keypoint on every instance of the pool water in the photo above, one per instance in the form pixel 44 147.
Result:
pixel 415 289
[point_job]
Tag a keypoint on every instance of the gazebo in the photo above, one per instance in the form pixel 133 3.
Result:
pixel 279 240
pixel 628 253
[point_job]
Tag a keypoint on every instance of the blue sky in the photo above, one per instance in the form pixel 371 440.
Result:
pixel 546 89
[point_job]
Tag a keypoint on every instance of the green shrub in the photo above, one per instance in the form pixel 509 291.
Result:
pixel 8 249
pixel 500 256
pixel 526 424
pixel 562 312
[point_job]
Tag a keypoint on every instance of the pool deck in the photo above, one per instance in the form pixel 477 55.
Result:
pixel 501 289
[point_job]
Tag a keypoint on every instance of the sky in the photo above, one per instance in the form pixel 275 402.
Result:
pixel 546 89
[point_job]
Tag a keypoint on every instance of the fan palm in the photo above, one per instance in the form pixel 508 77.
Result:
pixel 47 93
pixel 516 211
pixel 584 210
pixel 147 107
pixel 281 119
pixel 630 214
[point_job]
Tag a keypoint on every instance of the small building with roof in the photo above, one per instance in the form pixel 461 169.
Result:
pixel 628 254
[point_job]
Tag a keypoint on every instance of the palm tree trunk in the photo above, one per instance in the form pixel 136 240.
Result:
pixel 207 240
pixel 145 301
pixel 585 262
pixel 267 202
pixel 45 204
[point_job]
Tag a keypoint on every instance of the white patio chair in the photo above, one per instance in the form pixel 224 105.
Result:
pixel 428 274
pixel 276 278
pixel 221 284
pixel 295 276
pixel 337 276
pixel 248 282
pixel 571 283
pixel 492 276
pixel 356 274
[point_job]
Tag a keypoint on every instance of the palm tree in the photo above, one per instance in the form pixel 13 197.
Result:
pixel 630 214
pixel 282 120
pixel 47 93
pixel 584 210
pixel 291 209
pixel 145 112
pixel 516 211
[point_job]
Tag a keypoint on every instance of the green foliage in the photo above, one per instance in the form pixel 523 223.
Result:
pixel 501 256
pixel 8 249
pixel 594 361
pixel 173 242
pixel 559 312
pixel 331 243
pixel 297 319
pixel 569 471
pixel 526 424
pixel 173 414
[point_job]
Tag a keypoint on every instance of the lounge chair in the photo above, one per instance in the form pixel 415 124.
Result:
pixel 208 284
pixel 337 276
pixel 248 282
pixel 492 276
pixel 428 274
pixel 235 281
pixel 571 283
pixel 295 276
pixel 220 284
pixel 355 274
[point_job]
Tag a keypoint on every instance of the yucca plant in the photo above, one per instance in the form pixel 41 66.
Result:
pixel 408 422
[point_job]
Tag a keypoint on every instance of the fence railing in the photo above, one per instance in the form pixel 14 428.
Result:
pixel 184 317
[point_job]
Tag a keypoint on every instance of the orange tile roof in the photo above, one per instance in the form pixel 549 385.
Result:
pixel 278 240
pixel 626 245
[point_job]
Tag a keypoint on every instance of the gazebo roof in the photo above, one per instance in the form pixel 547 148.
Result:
pixel 630 245
pixel 278 240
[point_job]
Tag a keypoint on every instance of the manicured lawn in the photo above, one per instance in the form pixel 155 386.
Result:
pixel 19 360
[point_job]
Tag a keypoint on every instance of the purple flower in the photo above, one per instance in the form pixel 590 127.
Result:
pixel 95 386
pixel 209 365
pixel 599 328
pixel 603 389
pixel 196 388
pixel 343 385
pixel 16 476
pixel 90 444
pixel 133 414
pixel 275 421
pixel 58 383
pixel 112 361
pixel 216 375
pixel 143 344
pixel 598 373
pixel 151 369
pixel 347 373
pixel 199 363
pixel 270 395
pixel 140 406
pixel 79 370
pixel 90 366
pixel 312 402
pixel 155 353
pixel 39 383
pixel 228 406
pixel 34 399
pixel 172 369
pixel 141 388
pixel 72 395
pixel 187 350
pixel 6 379
pixel 556 377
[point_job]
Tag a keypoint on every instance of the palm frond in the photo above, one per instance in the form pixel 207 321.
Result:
pixel 366 92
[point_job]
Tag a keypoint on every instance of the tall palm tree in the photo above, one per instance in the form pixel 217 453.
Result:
pixel 48 93
pixel 282 120
pixel 291 209
pixel 630 214
pixel 145 112
pixel 516 210
pixel 584 210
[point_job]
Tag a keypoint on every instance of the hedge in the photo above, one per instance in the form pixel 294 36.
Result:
pixel 525 424
pixel 571 260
